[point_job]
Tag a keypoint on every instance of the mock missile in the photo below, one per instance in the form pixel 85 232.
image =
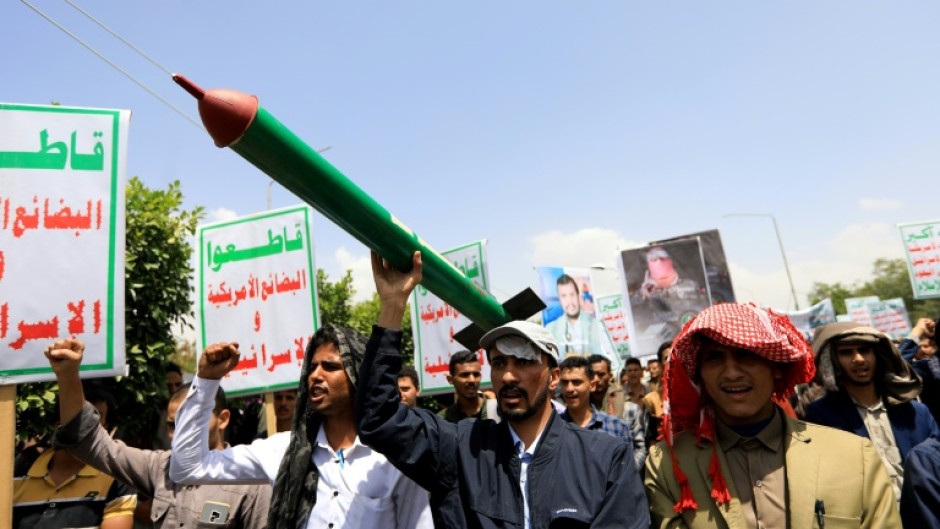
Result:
pixel 236 120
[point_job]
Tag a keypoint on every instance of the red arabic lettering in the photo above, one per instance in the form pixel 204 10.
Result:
pixel 4 320
pixel 76 323
pixel 36 331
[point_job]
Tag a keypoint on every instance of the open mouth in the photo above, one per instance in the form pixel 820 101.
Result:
pixel 737 391
pixel 511 395
pixel 317 394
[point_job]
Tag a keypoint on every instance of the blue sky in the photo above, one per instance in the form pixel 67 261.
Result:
pixel 559 131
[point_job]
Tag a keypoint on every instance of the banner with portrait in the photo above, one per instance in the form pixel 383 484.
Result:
pixel 570 313
pixel 807 320
pixel 667 284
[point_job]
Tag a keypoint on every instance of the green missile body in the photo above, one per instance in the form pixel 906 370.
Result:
pixel 235 119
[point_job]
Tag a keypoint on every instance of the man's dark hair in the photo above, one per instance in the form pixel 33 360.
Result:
pixel 578 362
pixel 462 357
pixel 325 335
pixel 595 358
pixel 409 372
pixel 632 360
pixel 565 279
pixel 662 349
pixel 652 361
pixel 98 393
pixel 173 367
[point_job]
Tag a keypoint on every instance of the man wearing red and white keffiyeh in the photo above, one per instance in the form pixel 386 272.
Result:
pixel 731 457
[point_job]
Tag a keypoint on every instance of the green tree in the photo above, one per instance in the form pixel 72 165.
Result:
pixel 890 279
pixel 158 280
pixel 337 307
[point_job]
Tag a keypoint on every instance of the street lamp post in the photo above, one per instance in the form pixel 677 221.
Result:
pixel 786 264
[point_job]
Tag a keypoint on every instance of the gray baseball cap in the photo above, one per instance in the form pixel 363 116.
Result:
pixel 522 339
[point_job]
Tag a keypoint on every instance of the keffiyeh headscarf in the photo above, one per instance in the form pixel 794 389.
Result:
pixel 295 488
pixel 741 326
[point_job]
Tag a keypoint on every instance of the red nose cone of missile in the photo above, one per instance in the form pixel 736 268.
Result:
pixel 227 114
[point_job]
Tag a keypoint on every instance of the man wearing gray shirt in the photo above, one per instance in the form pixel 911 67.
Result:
pixel 174 506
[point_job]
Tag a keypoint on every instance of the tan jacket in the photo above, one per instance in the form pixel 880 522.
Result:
pixel 841 469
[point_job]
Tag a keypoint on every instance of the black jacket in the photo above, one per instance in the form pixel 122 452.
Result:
pixel 577 478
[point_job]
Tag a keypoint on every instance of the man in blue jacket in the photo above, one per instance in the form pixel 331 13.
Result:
pixel 870 391
pixel 532 470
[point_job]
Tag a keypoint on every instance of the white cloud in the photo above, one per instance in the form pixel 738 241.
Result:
pixel 873 204
pixel 582 248
pixel 847 258
pixel 361 267
pixel 221 215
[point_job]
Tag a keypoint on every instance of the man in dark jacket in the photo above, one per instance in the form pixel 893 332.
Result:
pixel 532 470
pixel 871 392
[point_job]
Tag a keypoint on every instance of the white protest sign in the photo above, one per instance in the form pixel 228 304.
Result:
pixel 61 237
pixel 611 313
pixel 257 287
pixel 921 242
pixel 434 323
pixel 815 316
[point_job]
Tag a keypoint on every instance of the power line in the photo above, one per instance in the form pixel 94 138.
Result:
pixel 113 65
pixel 120 38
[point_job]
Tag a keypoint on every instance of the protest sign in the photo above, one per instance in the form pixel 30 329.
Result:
pixel 612 313
pixel 570 312
pixel 888 316
pixel 807 320
pixel 62 180
pixel 257 287
pixel 921 241
pixel 434 322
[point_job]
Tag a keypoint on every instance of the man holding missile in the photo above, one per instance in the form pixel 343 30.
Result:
pixel 533 470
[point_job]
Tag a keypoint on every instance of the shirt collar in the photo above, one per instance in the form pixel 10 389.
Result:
pixel 878 406
pixel 771 437
pixel 518 444
pixel 323 442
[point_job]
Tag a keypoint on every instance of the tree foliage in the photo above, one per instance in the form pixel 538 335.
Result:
pixel 158 279
pixel 337 307
pixel 890 279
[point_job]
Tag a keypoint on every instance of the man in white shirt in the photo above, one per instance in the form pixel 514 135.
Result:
pixel 321 472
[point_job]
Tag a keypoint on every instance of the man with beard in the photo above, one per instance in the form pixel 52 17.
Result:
pixel 533 470
pixel 871 392
pixel 575 330
pixel 323 476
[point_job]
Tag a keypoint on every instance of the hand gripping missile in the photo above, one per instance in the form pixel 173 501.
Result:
pixel 235 119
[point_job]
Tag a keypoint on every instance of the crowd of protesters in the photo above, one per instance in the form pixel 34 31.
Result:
pixel 739 422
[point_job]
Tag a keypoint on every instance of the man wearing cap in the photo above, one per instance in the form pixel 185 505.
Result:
pixel 533 470
pixel 871 392
pixel 731 458
pixel 323 476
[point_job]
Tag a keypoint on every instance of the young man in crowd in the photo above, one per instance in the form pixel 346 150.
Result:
pixel 634 390
pixel 871 392
pixel 531 471
pixel 323 475
pixel 408 386
pixel 576 384
pixel 465 375
pixel 174 506
pixel 605 396
pixel 731 458
pixel 61 491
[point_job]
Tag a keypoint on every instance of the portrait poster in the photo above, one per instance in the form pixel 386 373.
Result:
pixel 257 286
pixel 62 237
pixel 434 323
pixel 570 313
pixel 666 285
pixel 921 241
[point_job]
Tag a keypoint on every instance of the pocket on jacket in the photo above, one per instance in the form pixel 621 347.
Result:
pixel 839 522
